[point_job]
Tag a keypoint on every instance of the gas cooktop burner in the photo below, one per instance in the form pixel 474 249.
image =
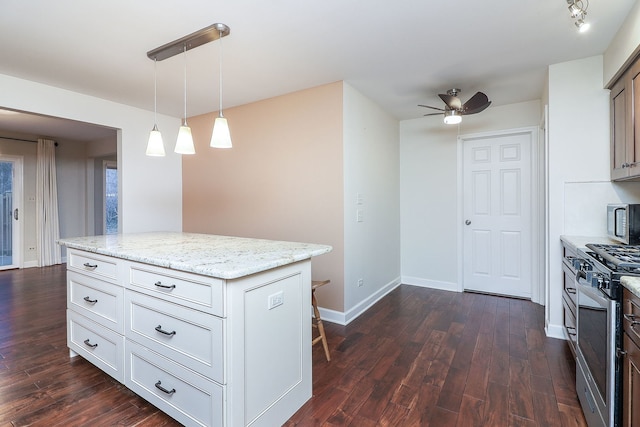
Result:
pixel 621 256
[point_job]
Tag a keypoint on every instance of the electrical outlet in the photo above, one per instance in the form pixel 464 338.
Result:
pixel 360 282
pixel 31 248
pixel 359 215
pixel 276 299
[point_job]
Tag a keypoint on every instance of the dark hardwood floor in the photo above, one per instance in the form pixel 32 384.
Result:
pixel 419 357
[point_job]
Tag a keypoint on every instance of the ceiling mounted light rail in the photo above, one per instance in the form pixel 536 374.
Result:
pixel 211 33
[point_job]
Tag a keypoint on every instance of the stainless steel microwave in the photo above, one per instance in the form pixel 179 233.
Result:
pixel 623 223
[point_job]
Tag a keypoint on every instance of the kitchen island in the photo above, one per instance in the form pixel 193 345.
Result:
pixel 213 330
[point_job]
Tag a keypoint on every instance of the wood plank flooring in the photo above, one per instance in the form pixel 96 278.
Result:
pixel 419 357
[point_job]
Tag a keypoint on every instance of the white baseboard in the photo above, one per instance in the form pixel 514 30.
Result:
pixel 433 284
pixel 30 264
pixel 345 318
pixel 555 331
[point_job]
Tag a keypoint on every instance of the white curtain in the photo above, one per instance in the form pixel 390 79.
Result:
pixel 47 226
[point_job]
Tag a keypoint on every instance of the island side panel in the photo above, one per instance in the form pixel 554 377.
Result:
pixel 269 330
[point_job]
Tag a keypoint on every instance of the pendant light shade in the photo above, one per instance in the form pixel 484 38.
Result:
pixel 221 137
pixel 184 144
pixel 155 146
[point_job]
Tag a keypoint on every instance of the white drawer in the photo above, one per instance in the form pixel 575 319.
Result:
pixel 98 300
pixel 190 337
pixel 92 264
pixel 192 290
pixel 99 345
pixel 186 396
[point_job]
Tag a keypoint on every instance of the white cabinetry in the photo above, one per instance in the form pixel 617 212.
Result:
pixel 206 351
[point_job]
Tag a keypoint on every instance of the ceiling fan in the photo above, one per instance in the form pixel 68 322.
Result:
pixel 455 109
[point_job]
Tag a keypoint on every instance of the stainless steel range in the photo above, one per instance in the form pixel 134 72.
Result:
pixel 599 269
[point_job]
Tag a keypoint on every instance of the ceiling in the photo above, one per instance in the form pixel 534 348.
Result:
pixel 399 54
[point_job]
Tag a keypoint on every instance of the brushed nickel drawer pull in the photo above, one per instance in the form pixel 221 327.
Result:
pixel 164 390
pixel 89 300
pixel 159 329
pixel 631 318
pixel 571 291
pixel 88 344
pixel 160 285
pixel 90 266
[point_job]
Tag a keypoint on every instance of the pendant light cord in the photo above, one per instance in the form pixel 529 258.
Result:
pixel 185 85
pixel 220 73
pixel 155 91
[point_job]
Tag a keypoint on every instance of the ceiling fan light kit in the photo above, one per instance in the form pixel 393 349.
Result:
pixel 454 108
pixel 451 117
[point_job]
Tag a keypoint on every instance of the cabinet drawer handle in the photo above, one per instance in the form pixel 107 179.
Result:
pixel 89 300
pixel 571 291
pixel 162 331
pixel 88 344
pixel 164 390
pixel 631 318
pixel 160 285
pixel 90 266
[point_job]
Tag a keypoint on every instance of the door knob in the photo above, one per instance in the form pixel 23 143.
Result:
pixel 467 222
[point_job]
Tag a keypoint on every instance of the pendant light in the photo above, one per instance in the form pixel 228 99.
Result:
pixel 155 146
pixel 221 137
pixel 184 144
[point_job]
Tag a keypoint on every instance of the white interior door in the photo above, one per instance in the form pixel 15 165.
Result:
pixel 497 214
pixel 10 212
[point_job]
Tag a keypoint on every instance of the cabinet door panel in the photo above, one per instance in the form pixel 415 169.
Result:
pixel 618 108
pixel 631 384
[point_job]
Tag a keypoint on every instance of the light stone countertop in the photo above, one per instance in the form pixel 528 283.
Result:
pixel 581 241
pixel 223 257
pixel 631 283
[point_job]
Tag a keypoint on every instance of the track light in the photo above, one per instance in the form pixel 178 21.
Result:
pixel 578 11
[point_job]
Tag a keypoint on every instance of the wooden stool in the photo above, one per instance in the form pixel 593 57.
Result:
pixel 318 322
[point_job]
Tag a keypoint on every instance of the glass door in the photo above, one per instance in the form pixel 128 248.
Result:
pixel 10 212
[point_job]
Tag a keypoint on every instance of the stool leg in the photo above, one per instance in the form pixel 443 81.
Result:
pixel 314 303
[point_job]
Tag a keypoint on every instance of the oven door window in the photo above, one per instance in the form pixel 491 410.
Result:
pixel 592 334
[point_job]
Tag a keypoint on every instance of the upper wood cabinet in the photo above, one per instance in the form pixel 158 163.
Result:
pixel 625 125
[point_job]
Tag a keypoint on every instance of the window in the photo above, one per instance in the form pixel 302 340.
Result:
pixel 110 197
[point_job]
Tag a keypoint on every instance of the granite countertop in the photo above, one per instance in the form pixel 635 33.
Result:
pixel 223 257
pixel 581 241
pixel 631 283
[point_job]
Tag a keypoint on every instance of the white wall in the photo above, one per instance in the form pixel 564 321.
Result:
pixel 371 170
pixel 623 45
pixel 578 161
pixel 151 188
pixel 428 195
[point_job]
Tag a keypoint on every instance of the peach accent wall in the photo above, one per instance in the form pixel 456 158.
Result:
pixel 282 180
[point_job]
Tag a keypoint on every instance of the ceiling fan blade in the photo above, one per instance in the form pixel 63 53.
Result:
pixel 452 102
pixel 476 110
pixel 433 114
pixel 475 102
pixel 433 108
